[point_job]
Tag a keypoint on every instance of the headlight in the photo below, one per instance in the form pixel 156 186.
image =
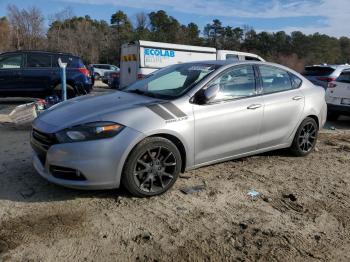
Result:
pixel 90 131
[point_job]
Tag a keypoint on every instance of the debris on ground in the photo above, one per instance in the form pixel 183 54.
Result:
pixel 253 193
pixel 291 197
pixel 243 225
pixel 193 189
pixel 23 115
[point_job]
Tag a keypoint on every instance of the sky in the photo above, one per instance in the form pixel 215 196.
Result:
pixel 309 16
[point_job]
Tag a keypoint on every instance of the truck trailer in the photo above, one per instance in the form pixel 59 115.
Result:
pixel 141 58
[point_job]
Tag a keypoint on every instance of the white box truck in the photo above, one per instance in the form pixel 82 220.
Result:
pixel 140 58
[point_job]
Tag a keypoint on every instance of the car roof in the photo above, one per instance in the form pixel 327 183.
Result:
pixel 39 51
pixel 229 62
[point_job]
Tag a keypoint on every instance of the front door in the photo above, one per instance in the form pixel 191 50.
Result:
pixel 11 73
pixel 229 125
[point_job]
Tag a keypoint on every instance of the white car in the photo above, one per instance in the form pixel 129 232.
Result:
pixel 100 69
pixel 338 96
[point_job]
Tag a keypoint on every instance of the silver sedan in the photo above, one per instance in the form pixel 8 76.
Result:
pixel 180 118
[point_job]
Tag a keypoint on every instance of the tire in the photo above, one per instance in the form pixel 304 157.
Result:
pixel 332 116
pixel 152 167
pixel 71 93
pixel 305 138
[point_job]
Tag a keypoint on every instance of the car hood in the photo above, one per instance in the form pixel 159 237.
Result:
pixel 88 108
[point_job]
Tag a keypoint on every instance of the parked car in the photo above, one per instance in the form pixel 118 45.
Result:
pixel 100 69
pixel 181 117
pixel 338 96
pixel 112 79
pixel 323 74
pixel 37 74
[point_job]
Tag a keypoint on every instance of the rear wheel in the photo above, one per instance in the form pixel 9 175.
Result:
pixel 305 138
pixel 70 91
pixel 152 167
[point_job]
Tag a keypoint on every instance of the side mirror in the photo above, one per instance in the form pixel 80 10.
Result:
pixel 206 95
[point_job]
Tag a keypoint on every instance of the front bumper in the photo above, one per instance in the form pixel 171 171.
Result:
pixel 99 161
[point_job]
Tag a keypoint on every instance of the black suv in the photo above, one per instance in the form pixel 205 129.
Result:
pixel 37 74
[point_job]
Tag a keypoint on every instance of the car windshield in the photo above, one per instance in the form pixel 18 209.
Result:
pixel 172 81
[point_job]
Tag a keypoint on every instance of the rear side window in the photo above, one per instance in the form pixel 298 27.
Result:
pixel 38 60
pixel 344 77
pixel 11 62
pixel 318 71
pixel 274 79
pixel 296 81
pixel 238 82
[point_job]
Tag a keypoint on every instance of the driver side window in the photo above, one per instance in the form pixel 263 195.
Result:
pixel 238 82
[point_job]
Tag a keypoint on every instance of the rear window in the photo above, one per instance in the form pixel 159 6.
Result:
pixel 344 77
pixel 72 62
pixel 318 71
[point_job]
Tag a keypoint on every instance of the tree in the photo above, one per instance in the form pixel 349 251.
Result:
pixel 4 34
pixel 142 24
pixel 214 33
pixel 27 27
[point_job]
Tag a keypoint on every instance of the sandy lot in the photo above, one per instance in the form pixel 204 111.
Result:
pixel 303 213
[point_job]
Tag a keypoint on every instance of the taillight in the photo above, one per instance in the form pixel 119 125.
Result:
pixel 140 76
pixel 84 71
pixel 115 75
pixel 326 79
pixel 332 85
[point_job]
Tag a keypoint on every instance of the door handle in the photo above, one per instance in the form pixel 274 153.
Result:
pixel 254 106
pixel 296 98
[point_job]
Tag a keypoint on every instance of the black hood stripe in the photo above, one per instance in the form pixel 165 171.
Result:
pixel 174 110
pixel 160 111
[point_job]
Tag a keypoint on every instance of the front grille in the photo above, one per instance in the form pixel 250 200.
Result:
pixel 66 173
pixel 44 140
pixel 41 142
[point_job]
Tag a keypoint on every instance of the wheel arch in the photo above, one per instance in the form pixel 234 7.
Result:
pixel 178 143
pixel 314 117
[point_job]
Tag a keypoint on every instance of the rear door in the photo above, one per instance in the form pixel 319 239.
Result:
pixel 284 104
pixel 38 71
pixel 11 72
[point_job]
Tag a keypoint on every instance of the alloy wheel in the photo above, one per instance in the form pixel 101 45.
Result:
pixel 155 169
pixel 307 137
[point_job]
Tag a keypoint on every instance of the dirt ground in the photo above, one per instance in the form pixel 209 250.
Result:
pixel 302 214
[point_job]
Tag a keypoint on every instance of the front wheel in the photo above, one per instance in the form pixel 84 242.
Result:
pixel 152 167
pixel 305 138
